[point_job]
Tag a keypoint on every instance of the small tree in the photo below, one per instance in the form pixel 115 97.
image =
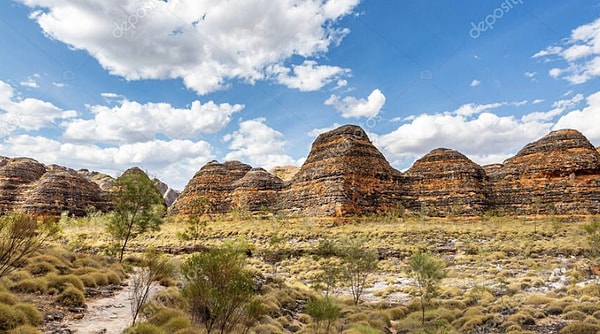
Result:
pixel 358 263
pixel 218 288
pixel 20 236
pixel 428 272
pixel 323 311
pixel 200 208
pixel 155 266
pixel 138 207
pixel 593 234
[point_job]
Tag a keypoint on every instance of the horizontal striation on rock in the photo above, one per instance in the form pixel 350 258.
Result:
pixel 445 182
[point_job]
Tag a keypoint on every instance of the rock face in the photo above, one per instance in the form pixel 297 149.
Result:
pixel 258 190
pixel 104 181
pixel 17 176
pixel 446 182
pixel 63 190
pixel 344 174
pixel 214 182
pixel 168 194
pixel 27 185
pixel 559 173
pixel 285 173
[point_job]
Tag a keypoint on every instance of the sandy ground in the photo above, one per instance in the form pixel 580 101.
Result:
pixel 107 315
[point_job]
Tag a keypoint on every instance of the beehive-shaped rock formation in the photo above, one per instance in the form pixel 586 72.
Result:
pixel 60 190
pixel 27 185
pixel 214 182
pixel 258 190
pixel 16 176
pixel 559 173
pixel 344 174
pixel 446 182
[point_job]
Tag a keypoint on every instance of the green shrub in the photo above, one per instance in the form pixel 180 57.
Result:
pixel 586 307
pixel 163 315
pixel 61 282
pixel 25 329
pixel 32 315
pixel 580 328
pixel 574 315
pixel 40 268
pixel 30 285
pixel 9 319
pixel 19 275
pixel 7 298
pixel 267 329
pixel 177 323
pixel 71 297
pixel 113 278
pixel 144 328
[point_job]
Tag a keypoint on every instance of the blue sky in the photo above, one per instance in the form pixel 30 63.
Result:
pixel 171 85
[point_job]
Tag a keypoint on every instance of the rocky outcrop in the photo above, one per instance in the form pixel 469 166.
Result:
pixel 213 182
pixel 168 194
pixel 63 190
pixel 445 182
pixel 258 190
pixel 27 185
pixel 17 175
pixel 285 173
pixel 559 173
pixel 104 181
pixel 344 174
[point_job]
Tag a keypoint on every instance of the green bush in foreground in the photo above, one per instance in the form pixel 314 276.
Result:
pixel 71 297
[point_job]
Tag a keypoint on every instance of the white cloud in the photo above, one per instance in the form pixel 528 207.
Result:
pixel 585 120
pixel 581 52
pixel 206 43
pixel 58 84
pixel 559 107
pixel 551 50
pixel 307 77
pixel 472 108
pixel 354 107
pixel 531 75
pixel 31 81
pixel 537 101
pixel 110 95
pixel 471 129
pixel 475 83
pixel 174 161
pixel 315 132
pixel 28 113
pixel 257 144
pixel 131 121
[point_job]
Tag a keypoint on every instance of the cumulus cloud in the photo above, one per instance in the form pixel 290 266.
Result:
pixel 475 83
pixel 581 52
pixel 472 129
pixel 131 121
pixel 352 107
pixel 27 114
pixel 257 144
pixel 174 160
pixel 309 76
pixel 205 43
pixel 585 120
